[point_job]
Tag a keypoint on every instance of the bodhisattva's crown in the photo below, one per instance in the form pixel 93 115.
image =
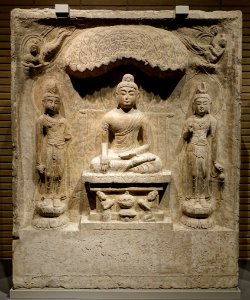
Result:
pixel 201 91
pixel 51 90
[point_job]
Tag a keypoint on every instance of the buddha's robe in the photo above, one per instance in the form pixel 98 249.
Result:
pixel 129 148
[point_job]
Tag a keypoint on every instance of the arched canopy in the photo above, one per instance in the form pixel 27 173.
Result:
pixel 96 47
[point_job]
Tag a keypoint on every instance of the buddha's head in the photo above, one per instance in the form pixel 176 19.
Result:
pixel 202 100
pixel 51 98
pixel 127 92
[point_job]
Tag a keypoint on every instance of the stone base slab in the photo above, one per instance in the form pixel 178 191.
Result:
pixel 125 256
pixel 185 294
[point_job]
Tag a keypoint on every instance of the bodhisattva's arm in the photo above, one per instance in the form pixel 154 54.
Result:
pixel 213 138
pixel 67 132
pixel 187 130
pixel 215 147
pixel 39 144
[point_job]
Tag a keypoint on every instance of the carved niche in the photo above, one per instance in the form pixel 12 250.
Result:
pixel 133 78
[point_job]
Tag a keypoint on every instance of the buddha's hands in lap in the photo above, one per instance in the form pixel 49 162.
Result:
pixel 105 164
pixel 127 155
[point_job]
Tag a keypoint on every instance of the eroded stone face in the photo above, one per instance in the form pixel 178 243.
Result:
pixel 126 139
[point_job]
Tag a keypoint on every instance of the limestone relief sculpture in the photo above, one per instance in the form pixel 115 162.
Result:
pixel 199 134
pixel 53 135
pixel 126 164
pixel 129 150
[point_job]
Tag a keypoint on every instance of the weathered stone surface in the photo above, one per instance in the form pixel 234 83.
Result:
pixel 153 46
pixel 108 256
pixel 115 177
pixel 126 135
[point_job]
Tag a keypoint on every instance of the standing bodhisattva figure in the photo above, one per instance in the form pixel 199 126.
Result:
pixel 199 133
pixel 53 135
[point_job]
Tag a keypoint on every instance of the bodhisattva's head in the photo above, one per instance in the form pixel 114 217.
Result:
pixel 127 92
pixel 51 99
pixel 51 105
pixel 201 106
pixel 202 100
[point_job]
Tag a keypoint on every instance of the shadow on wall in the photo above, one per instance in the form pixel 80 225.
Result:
pixel 5 278
pixel 244 281
pixel 152 80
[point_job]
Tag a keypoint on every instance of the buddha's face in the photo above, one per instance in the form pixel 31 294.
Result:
pixel 126 97
pixel 51 105
pixel 202 106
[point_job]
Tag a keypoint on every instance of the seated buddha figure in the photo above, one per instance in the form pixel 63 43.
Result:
pixel 128 151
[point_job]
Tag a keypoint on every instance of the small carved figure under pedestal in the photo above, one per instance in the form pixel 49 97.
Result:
pixel 126 196
pixel 129 150
pixel 106 205
pixel 135 204
pixel 147 205
pixel 199 134
pixel 127 210
pixel 52 137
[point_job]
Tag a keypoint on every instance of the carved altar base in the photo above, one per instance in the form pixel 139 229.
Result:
pixel 127 197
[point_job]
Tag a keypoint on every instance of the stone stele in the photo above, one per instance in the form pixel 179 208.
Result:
pixel 126 136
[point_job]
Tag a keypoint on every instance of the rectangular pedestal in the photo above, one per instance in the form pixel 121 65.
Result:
pixel 142 256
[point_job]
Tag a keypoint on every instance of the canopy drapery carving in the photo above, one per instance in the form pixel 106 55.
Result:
pixel 95 47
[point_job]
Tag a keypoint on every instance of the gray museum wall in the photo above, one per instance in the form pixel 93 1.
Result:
pixel 5 99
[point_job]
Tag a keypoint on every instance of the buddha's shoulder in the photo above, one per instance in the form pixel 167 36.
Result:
pixel 117 113
pixel 110 114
